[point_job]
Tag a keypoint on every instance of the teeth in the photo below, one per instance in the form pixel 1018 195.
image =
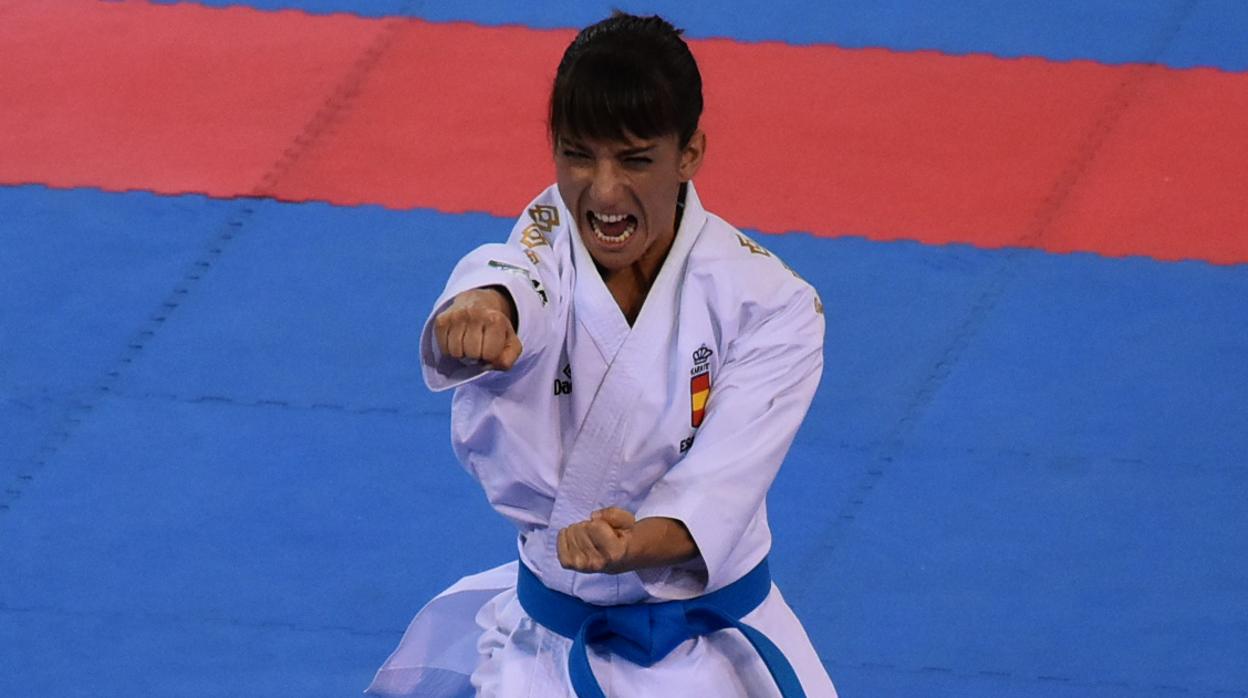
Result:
pixel 618 239
pixel 614 218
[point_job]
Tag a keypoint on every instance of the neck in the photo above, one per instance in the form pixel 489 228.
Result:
pixel 630 285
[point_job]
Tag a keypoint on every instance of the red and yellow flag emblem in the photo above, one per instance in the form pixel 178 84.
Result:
pixel 700 384
pixel 699 392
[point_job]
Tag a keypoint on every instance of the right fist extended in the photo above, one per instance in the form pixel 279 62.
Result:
pixel 478 327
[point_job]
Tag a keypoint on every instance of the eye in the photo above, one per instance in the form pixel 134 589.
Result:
pixel 575 154
pixel 637 161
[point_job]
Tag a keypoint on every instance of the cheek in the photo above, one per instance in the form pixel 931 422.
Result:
pixel 569 190
pixel 660 201
pixel 572 175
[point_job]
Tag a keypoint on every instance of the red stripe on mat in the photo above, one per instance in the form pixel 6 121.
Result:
pixel 1062 156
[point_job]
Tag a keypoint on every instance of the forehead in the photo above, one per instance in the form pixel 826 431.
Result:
pixel 627 143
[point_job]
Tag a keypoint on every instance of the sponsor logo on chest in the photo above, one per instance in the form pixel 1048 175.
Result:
pixel 564 387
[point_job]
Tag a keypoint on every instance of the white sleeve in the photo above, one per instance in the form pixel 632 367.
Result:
pixel 718 489
pixel 490 265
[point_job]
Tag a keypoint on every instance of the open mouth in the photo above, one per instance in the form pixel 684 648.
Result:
pixel 612 228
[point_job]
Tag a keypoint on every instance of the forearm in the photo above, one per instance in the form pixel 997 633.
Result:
pixel 658 542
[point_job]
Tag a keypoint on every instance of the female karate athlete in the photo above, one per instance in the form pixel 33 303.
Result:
pixel 629 371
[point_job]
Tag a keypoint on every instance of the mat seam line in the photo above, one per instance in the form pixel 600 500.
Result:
pixel 876 666
pixel 170 617
pixel 283 404
pixel 1031 677
pixel 999 276
pixel 333 107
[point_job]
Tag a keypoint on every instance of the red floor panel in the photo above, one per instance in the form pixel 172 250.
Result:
pixel 893 145
pixel 451 118
pixel 1062 156
pixel 1171 180
pixel 169 99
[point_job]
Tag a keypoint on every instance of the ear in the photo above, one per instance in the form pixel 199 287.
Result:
pixel 691 156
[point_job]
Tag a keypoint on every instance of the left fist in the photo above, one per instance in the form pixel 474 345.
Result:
pixel 600 544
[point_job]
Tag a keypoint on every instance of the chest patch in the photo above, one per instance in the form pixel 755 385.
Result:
pixel 700 384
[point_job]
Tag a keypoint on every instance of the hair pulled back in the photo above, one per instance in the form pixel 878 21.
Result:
pixel 626 76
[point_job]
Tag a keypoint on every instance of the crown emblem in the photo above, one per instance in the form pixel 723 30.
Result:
pixel 702 355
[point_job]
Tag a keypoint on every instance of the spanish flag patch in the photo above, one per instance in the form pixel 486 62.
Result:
pixel 700 384
pixel 699 393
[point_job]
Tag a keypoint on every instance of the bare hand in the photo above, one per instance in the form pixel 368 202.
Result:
pixel 478 327
pixel 598 545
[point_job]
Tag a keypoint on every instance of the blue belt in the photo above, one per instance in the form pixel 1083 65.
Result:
pixel 644 633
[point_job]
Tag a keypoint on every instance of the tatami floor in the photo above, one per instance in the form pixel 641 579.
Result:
pixel 222 225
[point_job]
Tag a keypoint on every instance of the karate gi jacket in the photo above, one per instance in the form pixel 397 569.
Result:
pixel 686 414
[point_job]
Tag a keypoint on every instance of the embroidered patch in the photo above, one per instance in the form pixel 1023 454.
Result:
pixel 752 246
pixel 510 268
pixel 700 384
pixel 544 217
pixel 533 257
pixel 790 270
pixel 532 236
pixel 538 288
pixel 758 249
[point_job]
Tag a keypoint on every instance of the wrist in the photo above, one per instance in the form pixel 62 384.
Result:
pixel 659 542
pixel 500 299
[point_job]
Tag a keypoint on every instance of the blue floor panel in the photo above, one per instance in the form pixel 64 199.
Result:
pixel 314 305
pixel 1092 571
pixel 930 682
pixel 263 514
pixel 1021 475
pixel 82 274
pixel 891 311
pixel 54 654
pixel 1086 357
pixel 28 421
pixel 1206 33
pixel 169 520
pixel 1211 36
pixel 83 271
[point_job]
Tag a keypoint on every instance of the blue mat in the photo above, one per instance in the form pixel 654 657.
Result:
pixel 1177 33
pixel 83 277
pixel 1020 476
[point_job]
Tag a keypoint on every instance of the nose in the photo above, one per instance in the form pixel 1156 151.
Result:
pixel 607 183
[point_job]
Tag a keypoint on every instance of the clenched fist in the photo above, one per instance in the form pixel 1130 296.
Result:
pixel 599 544
pixel 479 325
pixel 613 541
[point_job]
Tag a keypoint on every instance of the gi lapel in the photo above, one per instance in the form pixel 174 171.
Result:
pixel 591 465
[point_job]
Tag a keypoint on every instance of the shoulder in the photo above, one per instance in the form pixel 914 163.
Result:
pixel 742 272
pixel 541 231
pixel 543 221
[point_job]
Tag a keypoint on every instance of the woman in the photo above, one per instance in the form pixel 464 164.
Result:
pixel 630 372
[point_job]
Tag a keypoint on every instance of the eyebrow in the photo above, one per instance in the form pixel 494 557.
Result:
pixel 631 152
pixel 625 153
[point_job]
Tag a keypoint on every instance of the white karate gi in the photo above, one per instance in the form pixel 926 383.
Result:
pixel 596 413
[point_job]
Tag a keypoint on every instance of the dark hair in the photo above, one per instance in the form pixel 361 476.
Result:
pixel 626 75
